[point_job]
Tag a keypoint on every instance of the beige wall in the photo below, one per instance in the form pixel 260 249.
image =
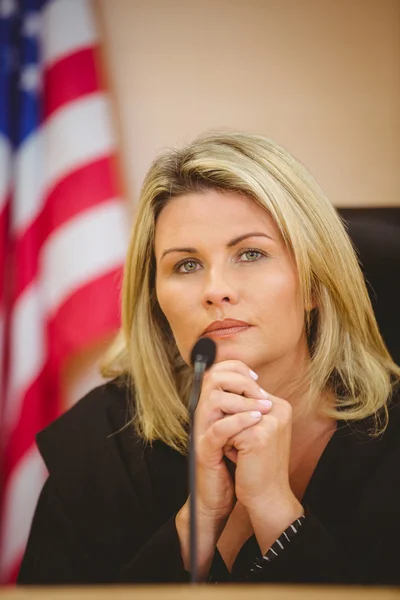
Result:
pixel 321 77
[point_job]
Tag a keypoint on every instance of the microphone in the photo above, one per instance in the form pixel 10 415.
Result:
pixel 202 357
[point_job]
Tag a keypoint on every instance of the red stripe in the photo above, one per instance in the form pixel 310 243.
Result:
pixel 38 409
pixel 12 578
pixel 70 78
pixel 81 190
pixel 88 316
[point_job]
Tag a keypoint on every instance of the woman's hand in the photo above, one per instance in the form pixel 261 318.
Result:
pixel 262 456
pixel 230 402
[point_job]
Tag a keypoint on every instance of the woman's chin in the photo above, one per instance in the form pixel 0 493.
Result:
pixel 230 352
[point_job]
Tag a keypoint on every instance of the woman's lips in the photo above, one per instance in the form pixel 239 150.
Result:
pixel 227 327
pixel 227 331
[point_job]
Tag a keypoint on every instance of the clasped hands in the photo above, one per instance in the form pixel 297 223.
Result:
pixel 237 419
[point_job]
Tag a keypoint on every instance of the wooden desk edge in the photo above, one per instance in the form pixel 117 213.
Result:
pixel 201 592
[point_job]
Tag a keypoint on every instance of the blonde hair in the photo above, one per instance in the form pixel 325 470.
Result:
pixel 347 352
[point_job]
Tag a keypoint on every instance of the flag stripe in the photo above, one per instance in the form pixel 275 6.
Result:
pixel 87 121
pixel 34 414
pixel 82 189
pixel 80 244
pixel 78 72
pixel 82 262
pixel 20 499
pixel 5 171
pixel 26 332
pixel 68 332
pixel 28 195
pixel 4 216
pixel 77 331
pixel 2 362
pixel 68 26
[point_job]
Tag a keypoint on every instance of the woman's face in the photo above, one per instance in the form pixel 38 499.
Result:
pixel 219 256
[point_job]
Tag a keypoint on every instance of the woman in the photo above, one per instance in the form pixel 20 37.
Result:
pixel 233 240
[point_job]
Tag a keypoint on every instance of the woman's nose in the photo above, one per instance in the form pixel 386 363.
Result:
pixel 219 292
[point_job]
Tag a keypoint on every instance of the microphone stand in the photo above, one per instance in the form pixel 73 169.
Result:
pixel 199 368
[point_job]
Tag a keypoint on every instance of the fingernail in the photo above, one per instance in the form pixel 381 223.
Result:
pixel 253 375
pixel 264 393
pixel 266 403
pixel 256 414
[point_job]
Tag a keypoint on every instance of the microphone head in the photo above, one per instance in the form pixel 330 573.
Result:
pixel 205 351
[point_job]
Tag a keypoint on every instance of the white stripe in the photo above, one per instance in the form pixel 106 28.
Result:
pixel 88 246
pixel 279 543
pixel 21 497
pixel 29 181
pixel 5 169
pixel 294 528
pixel 75 135
pixel 272 550
pixel 27 353
pixel 68 26
pixel 288 539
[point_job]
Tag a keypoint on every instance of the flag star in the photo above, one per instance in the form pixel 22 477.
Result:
pixel 30 78
pixel 7 8
pixel 31 25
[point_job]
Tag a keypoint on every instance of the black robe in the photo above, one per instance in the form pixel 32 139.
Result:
pixel 106 513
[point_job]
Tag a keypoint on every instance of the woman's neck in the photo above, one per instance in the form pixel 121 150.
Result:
pixel 311 432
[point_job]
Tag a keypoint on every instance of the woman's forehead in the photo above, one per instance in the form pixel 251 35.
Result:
pixel 212 211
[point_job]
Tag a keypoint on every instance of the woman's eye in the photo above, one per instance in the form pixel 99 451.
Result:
pixel 188 266
pixel 250 255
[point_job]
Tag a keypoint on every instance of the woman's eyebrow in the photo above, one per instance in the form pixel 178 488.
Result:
pixel 230 244
pixel 247 235
pixel 186 250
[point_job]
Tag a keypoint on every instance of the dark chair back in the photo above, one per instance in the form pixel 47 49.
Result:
pixel 375 233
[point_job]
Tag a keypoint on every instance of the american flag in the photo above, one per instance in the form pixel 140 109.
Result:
pixel 62 233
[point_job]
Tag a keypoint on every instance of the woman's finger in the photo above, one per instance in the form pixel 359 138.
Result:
pixel 235 383
pixel 218 434
pixel 220 404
